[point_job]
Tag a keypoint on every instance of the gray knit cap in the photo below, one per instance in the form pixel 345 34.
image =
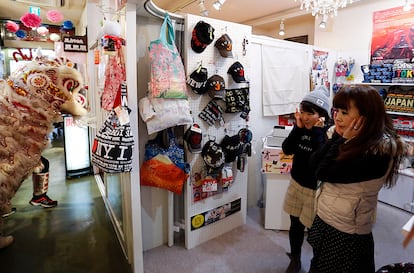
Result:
pixel 319 97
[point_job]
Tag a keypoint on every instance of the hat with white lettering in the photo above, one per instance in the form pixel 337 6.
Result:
pixel 197 80
pixel 319 97
pixel 231 147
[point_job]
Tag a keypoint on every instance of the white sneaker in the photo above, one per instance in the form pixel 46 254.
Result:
pixel 5 241
pixel 7 214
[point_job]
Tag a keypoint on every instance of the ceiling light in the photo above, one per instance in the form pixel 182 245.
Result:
pixel 202 7
pixel 217 5
pixel 324 7
pixel 407 6
pixel 324 21
pixel 282 28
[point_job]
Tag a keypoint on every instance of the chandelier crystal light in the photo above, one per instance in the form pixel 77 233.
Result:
pixel 282 28
pixel 324 7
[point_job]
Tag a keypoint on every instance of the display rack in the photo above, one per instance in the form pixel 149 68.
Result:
pixel 236 196
pixel 402 194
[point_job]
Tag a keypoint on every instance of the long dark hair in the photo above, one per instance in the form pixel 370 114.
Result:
pixel 376 124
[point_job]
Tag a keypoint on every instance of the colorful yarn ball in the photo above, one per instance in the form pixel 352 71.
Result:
pixel 31 20
pixel 12 26
pixel 54 16
pixel 21 34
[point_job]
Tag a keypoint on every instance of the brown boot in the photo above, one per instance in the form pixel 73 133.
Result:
pixel 5 241
pixel 295 264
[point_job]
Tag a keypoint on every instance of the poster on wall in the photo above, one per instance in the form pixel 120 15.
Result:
pixel 392 36
pixel 216 214
pixel 319 69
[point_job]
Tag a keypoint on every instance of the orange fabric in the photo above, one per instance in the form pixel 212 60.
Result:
pixel 161 172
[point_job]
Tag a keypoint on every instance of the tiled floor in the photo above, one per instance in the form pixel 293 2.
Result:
pixel 76 236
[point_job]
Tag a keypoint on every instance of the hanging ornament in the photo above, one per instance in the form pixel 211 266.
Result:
pixel 67 25
pixel 21 34
pixel 42 30
pixel 31 20
pixel 54 37
pixel 12 26
pixel 54 16
pixel 112 28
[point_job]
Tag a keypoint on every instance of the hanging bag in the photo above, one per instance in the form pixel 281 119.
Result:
pixel 159 113
pixel 164 164
pixel 115 75
pixel 166 143
pixel 113 143
pixel 167 78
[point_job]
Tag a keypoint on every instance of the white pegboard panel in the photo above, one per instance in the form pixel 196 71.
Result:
pixel 215 64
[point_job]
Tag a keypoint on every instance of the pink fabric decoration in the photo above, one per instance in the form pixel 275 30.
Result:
pixel 54 16
pixel 12 26
pixel 31 20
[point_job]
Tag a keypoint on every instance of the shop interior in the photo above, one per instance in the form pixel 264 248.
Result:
pixel 107 222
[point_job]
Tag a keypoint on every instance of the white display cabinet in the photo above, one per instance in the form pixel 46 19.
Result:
pixel 275 189
pixel 276 168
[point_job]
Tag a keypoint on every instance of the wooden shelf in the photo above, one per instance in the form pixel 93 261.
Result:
pixel 400 113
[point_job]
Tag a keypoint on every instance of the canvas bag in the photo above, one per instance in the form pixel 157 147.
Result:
pixel 162 173
pixel 167 78
pixel 113 143
pixel 160 114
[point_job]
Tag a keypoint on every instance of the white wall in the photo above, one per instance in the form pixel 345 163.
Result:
pixel 260 125
pixel 293 28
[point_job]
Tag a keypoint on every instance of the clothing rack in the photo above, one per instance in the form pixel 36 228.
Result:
pixel 152 9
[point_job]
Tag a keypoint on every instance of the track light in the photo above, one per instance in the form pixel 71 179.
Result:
pixel 407 6
pixel 202 7
pixel 282 28
pixel 217 5
pixel 324 21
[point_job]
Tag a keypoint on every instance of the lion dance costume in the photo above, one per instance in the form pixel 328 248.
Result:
pixel 31 100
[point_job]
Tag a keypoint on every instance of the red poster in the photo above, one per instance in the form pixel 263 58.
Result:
pixel 392 36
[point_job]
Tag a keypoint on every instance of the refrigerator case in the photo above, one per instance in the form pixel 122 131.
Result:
pixel 77 148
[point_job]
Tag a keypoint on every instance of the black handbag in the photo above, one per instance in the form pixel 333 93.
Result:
pixel 113 144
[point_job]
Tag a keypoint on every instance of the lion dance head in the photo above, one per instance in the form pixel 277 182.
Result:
pixel 31 100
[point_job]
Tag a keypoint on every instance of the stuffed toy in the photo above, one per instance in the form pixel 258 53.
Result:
pixel 31 100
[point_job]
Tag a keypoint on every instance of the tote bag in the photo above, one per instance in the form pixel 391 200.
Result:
pixel 167 78
pixel 159 113
pixel 113 143
pixel 164 163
